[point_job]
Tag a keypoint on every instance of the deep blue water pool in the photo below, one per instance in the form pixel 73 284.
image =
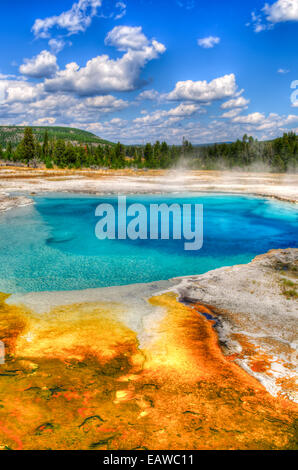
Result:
pixel 52 245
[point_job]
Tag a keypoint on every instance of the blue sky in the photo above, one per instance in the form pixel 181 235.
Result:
pixel 141 70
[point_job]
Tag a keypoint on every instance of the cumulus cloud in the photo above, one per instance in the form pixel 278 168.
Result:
pixel 232 113
pixel 106 103
pixel 203 91
pixel 259 122
pixel 167 117
pixel 253 118
pixel 44 121
pixel 44 65
pixel 61 107
pixel 208 42
pixel 102 74
pixel 73 21
pixel 278 12
pixel 149 95
pixel 127 37
pixel 21 92
pixel 235 103
pixel 282 10
pixel 12 91
pixel 183 110
pixel 275 121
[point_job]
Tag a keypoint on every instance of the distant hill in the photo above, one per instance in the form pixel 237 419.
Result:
pixel 14 134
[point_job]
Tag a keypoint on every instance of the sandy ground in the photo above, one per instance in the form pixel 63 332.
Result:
pixel 280 186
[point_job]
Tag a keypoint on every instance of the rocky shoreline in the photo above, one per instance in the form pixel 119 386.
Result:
pixel 255 306
pixel 12 202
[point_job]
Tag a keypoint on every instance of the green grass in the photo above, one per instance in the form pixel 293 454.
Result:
pixel 14 134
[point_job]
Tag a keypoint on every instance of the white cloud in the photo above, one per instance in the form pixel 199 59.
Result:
pixel 259 122
pixel 122 10
pixel 153 118
pixel 22 93
pixel 170 116
pixel 127 37
pixel 159 125
pixel 106 103
pixel 282 10
pixel 291 118
pixel 12 91
pixel 44 121
pixel 44 65
pixel 149 95
pixel 257 23
pixel 278 12
pixel 111 128
pixel 62 107
pixel 156 119
pixel 232 113
pixel 283 71
pixel 275 121
pixel 183 110
pixel 75 20
pixel 57 45
pixel 203 91
pixel 253 118
pixel 235 103
pixel 208 42
pixel 102 74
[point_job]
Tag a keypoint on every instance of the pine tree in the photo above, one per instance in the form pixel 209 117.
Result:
pixel 26 151
pixel 9 152
pixel 99 156
pixel 59 153
pixel 156 154
pixel 45 146
pixel 137 160
pixel 119 160
pixel 148 155
pixel 70 157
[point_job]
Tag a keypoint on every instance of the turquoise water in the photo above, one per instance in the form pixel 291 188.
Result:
pixel 52 245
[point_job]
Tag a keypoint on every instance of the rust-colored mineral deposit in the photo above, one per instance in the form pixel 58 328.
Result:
pixel 78 378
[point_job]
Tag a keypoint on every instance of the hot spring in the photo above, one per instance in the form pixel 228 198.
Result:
pixel 52 245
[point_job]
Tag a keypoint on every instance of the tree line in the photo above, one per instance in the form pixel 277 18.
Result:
pixel 279 155
pixel 62 154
